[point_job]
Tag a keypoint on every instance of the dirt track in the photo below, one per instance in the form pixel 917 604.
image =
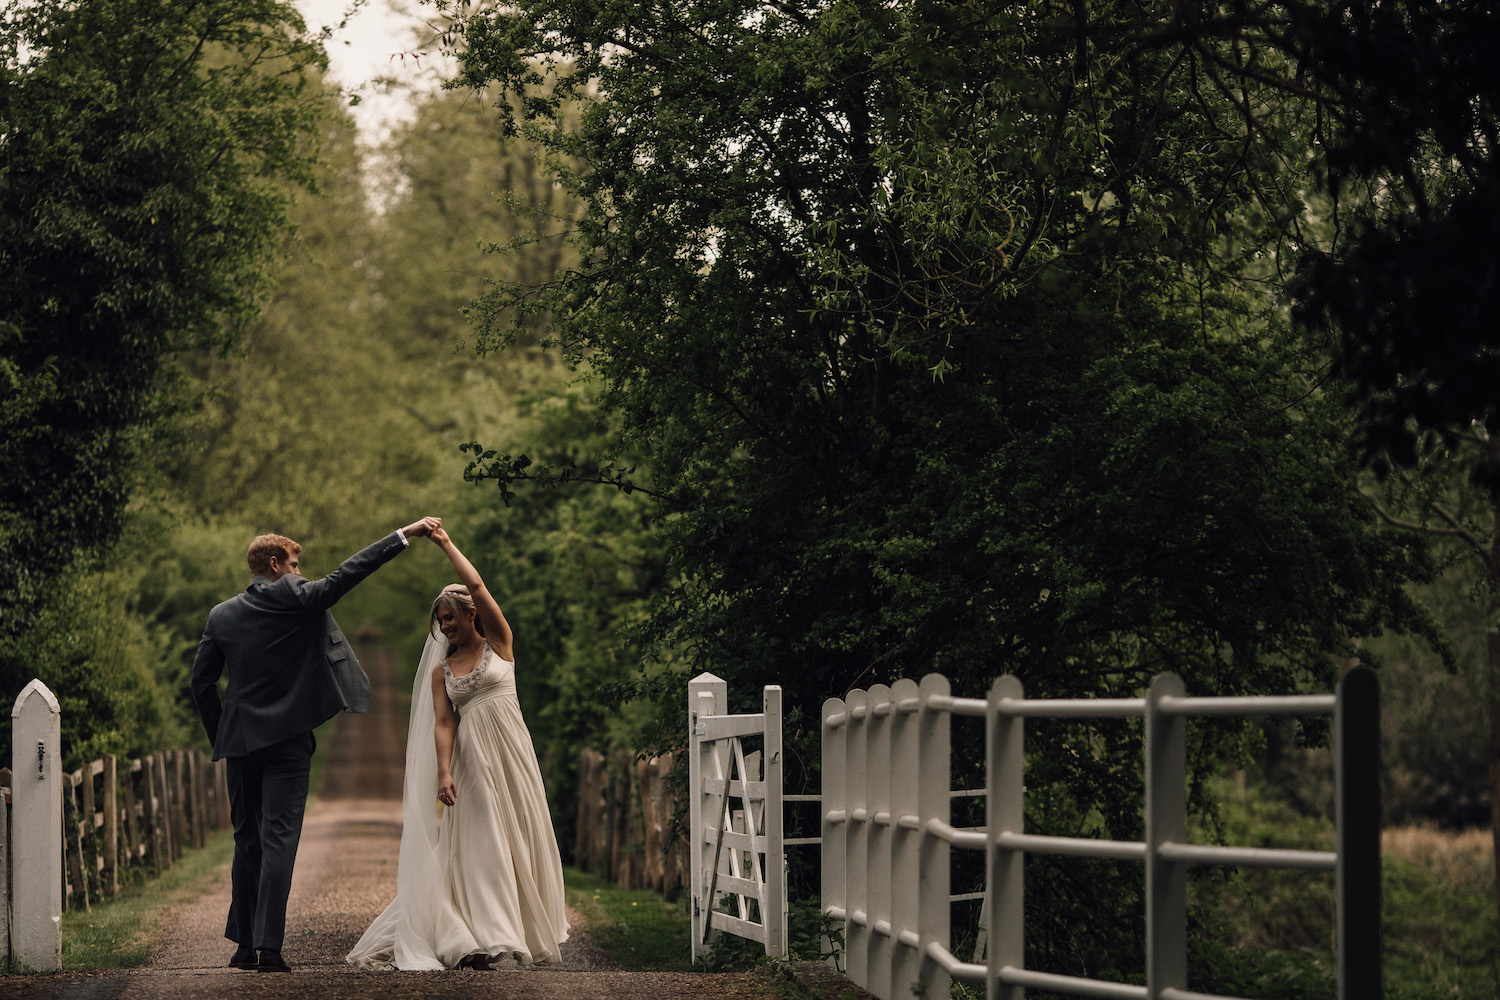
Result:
pixel 346 874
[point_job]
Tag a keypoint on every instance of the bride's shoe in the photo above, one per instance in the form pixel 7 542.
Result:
pixel 479 962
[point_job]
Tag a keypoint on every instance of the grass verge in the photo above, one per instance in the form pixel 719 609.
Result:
pixel 636 928
pixel 1275 928
pixel 117 933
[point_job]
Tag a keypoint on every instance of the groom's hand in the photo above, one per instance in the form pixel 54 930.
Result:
pixel 426 526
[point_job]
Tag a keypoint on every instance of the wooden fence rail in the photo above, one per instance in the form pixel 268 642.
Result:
pixel 132 820
pixel 625 822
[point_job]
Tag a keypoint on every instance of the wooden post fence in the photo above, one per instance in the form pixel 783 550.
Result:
pixel 625 822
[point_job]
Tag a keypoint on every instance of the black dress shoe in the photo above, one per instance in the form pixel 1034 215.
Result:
pixel 244 958
pixel 270 961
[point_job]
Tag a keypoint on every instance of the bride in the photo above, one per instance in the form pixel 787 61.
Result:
pixel 480 878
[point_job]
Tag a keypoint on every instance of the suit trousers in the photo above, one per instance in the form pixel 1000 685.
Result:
pixel 267 799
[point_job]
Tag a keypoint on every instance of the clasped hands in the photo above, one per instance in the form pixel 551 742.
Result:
pixel 426 526
pixel 432 527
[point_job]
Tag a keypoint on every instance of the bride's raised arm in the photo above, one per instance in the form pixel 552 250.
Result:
pixel 496 628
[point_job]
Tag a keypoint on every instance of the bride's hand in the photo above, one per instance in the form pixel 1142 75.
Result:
pixel 447 790
pixel 439 536
pixel 426 526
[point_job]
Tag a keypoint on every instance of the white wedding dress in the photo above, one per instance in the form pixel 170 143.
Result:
pixel 483 875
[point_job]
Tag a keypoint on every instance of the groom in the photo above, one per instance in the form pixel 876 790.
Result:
pixel 290 670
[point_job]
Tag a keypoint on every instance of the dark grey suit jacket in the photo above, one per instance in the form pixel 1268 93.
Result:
pixel 290 669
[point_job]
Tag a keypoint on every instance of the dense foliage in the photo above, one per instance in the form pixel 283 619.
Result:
pixel 146 150
pixel 1410 292
pixel 470 206
pixel 951 336
pixel 1411 295
pixel 989 395
pixel 902 337
pixel 145 146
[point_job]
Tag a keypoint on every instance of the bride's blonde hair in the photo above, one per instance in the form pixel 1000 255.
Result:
pixel 455 598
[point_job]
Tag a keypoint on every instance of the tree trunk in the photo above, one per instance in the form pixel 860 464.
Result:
pixel 1492 696
pixel 1492 714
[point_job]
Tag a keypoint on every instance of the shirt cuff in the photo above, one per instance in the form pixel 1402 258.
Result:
pixel 405 542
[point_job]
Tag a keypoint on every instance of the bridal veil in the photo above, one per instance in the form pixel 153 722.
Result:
pixel 420 929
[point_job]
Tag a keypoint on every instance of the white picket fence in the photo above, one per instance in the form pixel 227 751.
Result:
pixel 887 836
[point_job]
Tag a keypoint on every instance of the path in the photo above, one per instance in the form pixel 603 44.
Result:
pixel 346 874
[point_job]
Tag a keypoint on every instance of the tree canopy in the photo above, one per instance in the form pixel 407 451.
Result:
pixel 901 336
pixel 148 154
pixel 947 335
pixel 951 337
pixel 1410 293
pixel 145 151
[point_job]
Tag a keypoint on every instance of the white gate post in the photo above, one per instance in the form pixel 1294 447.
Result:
pixel 881 940
pixel 1166 822
pixel 707 695
pixel 774 916
pixel 857 839
pixel 834 887
pixel 1357 744
pixel 1005 812
pixel 4 886
pixel 934 802
pixel 36 808
pixel 906 839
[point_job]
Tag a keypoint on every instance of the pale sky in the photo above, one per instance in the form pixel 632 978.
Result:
pixel 371 46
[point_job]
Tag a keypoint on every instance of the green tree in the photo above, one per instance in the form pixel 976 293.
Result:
pixel 145 157
pixel 462 186
pixel 471 207
pixel 1413 117
pixel 1408 294
pixel 1433 728
pixel 950 337
pixel 1433 494
pixel 147 151
pixel 340 412
pixel 312 424
pixel 575 571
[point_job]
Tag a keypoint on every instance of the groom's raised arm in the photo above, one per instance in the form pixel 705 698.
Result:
pixel 325 593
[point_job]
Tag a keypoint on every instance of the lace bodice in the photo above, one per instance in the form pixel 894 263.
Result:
pixel 490 673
